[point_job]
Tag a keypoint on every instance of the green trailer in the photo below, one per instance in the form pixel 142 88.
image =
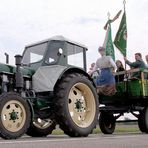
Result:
pixel 131 97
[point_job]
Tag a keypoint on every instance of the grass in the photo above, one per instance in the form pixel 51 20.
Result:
pixel 120 128
pixel 57 132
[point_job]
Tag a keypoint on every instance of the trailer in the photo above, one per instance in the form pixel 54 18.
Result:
pixel 131 97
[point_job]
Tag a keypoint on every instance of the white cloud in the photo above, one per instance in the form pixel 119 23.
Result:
pixel 26 21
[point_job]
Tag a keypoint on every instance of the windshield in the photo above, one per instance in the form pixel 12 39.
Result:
pixel 34 53
pixel 75 55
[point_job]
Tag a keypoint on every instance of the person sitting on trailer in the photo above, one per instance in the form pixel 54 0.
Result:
pixel 106 80
pixel 119 78
pixel 139 63
pixel 146 58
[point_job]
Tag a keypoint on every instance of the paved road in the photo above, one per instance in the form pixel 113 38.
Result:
pixel 93 141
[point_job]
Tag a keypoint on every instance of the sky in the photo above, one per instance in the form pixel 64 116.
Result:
pixel 28 21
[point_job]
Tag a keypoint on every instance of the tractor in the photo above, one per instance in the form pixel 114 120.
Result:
pixel 48 86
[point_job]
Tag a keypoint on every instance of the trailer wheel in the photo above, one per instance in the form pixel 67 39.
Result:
pixel 76 105
pixel 15 116
pixel 41 128
pixel 107 123
pixel 143 120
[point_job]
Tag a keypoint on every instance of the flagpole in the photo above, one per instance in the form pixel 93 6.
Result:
pixel 108 14
pixel 126 75
pixel 105 27
pixel 124 2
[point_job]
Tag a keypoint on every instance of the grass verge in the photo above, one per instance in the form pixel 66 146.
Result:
pixel 120 128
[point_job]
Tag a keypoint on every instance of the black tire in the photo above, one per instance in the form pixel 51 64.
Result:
pixel 76 105
pixel 15 116
pixel 143 120
pixel 41 128
pixel 141 123
pixel 107 123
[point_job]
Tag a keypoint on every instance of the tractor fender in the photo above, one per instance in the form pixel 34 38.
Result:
pixel 69 70
pixel 47 77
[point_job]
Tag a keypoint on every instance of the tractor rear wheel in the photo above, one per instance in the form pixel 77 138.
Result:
pixel 41 128
pixel 76 105
pixel 15 116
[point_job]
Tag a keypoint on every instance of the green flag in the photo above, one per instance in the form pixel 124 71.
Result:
pixel 121 36
pixel 108 44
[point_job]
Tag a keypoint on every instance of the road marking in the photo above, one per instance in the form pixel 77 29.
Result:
pixel 35 140
pixel 46 140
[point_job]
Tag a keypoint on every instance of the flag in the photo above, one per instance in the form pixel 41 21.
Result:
pixel 121 36
pixel 108 44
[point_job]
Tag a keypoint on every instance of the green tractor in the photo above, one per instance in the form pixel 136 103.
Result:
pixel 131 97
pixel 48 86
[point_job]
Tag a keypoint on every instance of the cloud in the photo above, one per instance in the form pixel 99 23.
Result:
pixel 26 21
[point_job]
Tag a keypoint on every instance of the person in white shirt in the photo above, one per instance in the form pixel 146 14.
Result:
pixel 106 81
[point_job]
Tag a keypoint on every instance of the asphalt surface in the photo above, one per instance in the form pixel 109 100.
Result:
pixel 92 141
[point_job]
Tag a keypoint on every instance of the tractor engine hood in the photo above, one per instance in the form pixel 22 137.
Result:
pixel 5 68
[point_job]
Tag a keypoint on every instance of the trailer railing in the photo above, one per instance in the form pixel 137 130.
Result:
pixel 143 80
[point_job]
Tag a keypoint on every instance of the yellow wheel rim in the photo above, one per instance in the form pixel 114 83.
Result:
pixel 82 105
pixel 13 115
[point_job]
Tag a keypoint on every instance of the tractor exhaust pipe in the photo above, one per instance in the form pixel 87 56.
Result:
pixel 7 58
pixel 18 75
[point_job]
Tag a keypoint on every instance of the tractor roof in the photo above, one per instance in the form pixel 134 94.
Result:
pixel 58 38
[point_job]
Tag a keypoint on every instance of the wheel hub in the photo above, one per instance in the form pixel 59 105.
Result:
pixel 79 105
pixel 13 115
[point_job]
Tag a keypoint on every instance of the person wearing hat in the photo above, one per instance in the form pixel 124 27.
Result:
pixel 106 81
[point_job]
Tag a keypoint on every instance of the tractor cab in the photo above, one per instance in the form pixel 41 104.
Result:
pixel 55 51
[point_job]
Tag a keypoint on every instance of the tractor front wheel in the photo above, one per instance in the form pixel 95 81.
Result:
pixel 15 116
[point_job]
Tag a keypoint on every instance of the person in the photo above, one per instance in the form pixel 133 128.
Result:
pixel 146 58
pixel 91 68
pixel 139 63
pixel 146 74
pixel 106 80
pixel 94 75
pixel 119 78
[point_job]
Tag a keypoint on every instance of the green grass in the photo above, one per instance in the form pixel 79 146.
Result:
pixel 120 128
pixel 57 132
